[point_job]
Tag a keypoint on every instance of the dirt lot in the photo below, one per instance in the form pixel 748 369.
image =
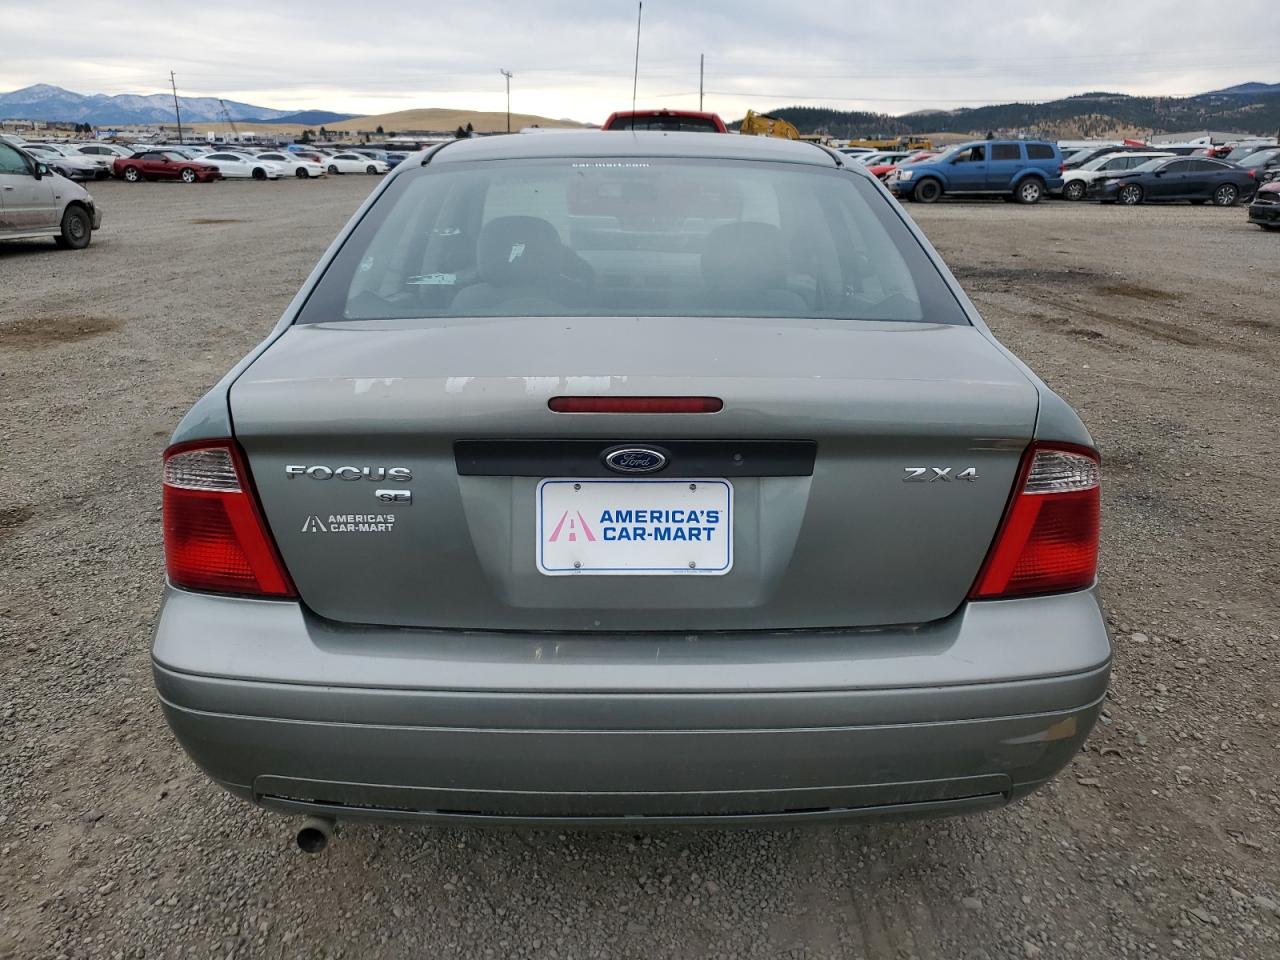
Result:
pixel 1162 326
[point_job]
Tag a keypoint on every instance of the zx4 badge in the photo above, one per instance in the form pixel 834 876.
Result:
pixel 934 474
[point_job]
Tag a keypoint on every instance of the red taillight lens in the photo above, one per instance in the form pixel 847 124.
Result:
pixel 1048 541
pixel 636 404
pixel 214 535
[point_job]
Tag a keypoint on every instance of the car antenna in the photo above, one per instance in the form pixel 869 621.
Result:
pixel 635 77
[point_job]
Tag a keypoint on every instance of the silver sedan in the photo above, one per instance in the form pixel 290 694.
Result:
pixel 638 479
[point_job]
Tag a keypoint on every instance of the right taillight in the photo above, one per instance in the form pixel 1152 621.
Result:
pixel 1048 540
pixel 215 537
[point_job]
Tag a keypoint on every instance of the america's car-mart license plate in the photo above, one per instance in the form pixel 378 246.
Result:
pixel 627 527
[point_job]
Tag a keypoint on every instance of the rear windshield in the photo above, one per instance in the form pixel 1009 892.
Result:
pixel 686 124
pixel 642 237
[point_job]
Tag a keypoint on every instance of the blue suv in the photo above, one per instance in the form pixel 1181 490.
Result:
pixel 1021 170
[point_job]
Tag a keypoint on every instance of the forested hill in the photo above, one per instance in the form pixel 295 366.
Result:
pixel 1089 114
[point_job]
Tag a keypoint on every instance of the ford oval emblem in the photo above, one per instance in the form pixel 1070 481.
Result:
pixel 635 459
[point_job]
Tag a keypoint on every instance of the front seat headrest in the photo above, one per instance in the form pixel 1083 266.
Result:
pixel 519 252
pixel 744 256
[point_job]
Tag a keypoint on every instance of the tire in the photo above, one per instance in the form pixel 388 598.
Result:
pixel 1130 195
pixel 77 229
pixel 132 174
pixel 1269 227
pixel 259 173
pixel 300 173
pixel 371 169
pixel 1226 195
pixel 333 168
pixel 1074 190
pixel 187 175
pixel 1029 191
pixel 927 190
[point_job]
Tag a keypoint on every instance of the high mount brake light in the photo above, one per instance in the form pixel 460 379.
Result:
pixel 215 537
pixel 1048 540
pixel 636 404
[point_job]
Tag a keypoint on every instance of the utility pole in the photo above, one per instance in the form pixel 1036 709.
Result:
pixel 702 71
pixel 508 75
pixel 176 111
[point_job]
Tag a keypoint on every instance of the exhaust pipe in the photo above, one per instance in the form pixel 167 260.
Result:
pixel 313 835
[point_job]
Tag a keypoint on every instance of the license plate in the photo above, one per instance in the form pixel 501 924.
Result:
pixel 635 527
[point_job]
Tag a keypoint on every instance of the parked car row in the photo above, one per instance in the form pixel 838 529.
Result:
pixel 65 160
pixel 1075 181
pixel 1026 171
pixel 303 160
pixel 198 163
pixel 883 163
pixel 1130 173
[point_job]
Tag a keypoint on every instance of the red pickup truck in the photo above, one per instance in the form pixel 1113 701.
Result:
pixel 688 121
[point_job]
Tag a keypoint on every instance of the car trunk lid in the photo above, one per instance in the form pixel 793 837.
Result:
pixel 399 464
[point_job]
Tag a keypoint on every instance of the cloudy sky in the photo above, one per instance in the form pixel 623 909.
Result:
pixel 573 59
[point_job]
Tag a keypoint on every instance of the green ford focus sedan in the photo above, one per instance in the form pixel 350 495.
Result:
pixel 627 478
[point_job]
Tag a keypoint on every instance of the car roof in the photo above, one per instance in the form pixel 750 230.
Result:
pixel 662 112
pixel 601 144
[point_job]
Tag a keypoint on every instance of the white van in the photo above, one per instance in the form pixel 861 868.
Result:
pixel 36 202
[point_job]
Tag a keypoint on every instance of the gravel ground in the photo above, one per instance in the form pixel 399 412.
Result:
pixel 1161 325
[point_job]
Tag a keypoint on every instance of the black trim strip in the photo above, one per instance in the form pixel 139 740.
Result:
pixel 583 458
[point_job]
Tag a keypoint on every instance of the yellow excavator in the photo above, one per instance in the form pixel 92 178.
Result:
pixel 762 125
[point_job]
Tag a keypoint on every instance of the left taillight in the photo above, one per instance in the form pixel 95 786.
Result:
pixel 1048 540
pixel 215 537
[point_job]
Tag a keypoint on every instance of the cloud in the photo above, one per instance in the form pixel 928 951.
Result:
pixel 575 58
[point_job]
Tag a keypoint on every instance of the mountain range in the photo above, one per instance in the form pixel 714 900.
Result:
pixel 46 102
pixel 1245 89
pixel 1246 108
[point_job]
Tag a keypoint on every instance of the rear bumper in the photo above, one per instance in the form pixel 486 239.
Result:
pixel 304 715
